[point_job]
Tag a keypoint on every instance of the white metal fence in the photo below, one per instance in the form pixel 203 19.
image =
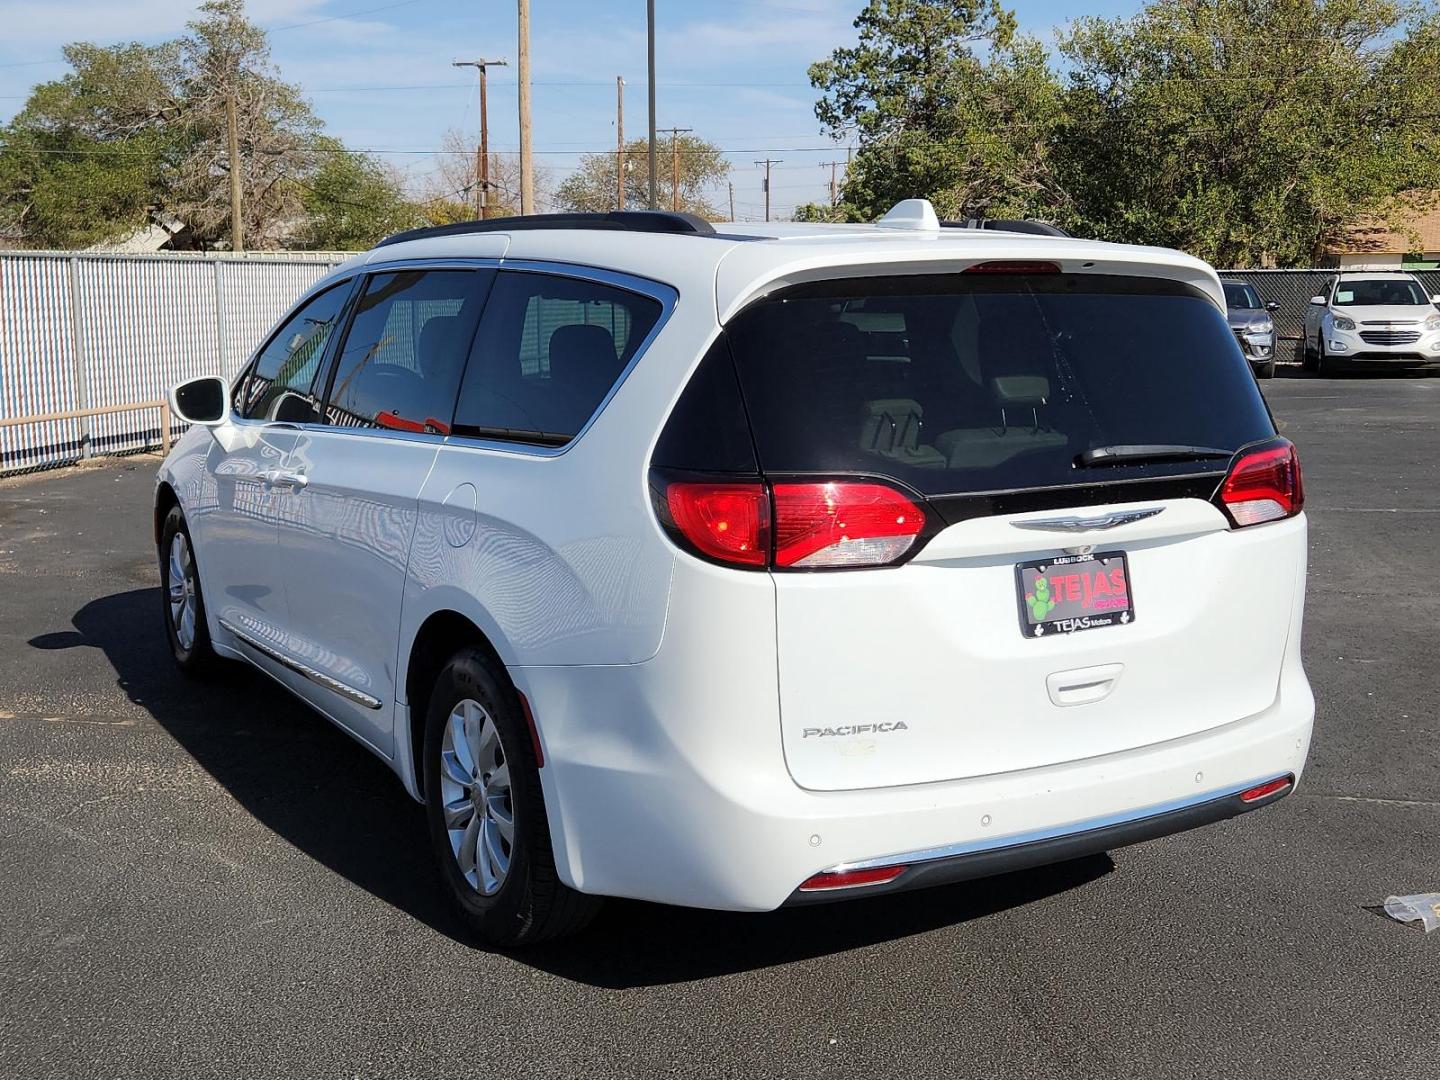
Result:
pixel 85 331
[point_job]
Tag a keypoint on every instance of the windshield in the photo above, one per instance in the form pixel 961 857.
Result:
pixel 1238 295
pixel 1379 292
pixel 966 383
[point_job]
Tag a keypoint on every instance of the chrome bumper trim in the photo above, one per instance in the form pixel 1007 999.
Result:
pixel 950 851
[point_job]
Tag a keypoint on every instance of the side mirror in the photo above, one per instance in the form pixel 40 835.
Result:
pixel 203 401
pixel 1435 299
pixel 1318 300
pixel 1272 306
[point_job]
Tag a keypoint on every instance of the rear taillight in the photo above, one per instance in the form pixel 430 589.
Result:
pixel 833 525
pixel 727 522
pixel 1263 485
pixel 843 524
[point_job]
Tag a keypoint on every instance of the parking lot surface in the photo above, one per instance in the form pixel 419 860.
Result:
pixel 208 880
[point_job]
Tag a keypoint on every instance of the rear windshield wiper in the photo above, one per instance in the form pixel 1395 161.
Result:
pixel 1139 453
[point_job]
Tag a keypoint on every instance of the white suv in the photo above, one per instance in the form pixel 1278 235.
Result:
pixel 1371 320
pixel 760 566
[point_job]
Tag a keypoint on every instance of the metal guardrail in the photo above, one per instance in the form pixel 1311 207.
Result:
pixel 104 410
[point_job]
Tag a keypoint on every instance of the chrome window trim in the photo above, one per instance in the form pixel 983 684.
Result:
pixel 317 677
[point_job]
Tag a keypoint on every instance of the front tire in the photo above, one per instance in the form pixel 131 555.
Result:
pixel 183 602
pixel 1324 364
pixel 1308 356
pixel 1266 370
pixel 485 811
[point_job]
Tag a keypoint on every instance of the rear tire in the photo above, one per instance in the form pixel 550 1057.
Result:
pixel 485 811
pixel 181 599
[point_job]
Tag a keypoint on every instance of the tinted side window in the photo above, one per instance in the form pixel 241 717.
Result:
pixel 548 351
pixel 708 430
pixel 403 355
pixel 280 380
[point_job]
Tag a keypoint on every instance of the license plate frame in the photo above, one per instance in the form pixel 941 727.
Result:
pixel 1078 581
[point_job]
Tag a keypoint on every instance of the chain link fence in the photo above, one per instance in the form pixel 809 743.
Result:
pixel 1292 290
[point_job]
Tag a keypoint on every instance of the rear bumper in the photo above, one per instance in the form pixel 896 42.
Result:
pixel 671 787
pixel 924 869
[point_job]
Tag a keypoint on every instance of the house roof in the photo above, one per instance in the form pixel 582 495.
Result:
pixel 1416 229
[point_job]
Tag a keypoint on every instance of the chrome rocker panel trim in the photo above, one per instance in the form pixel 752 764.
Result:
pixel 317 677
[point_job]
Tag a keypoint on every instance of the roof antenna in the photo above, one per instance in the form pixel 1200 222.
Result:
pixel 915 214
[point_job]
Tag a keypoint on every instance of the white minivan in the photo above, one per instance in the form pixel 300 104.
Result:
pixel 743 566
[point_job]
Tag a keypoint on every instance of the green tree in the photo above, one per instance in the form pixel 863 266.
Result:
pixel 137 133
pixel 701 167
pixel 224 55
pixel 935 117
pixel 352 201
pixel 84 161
pixel 1250 131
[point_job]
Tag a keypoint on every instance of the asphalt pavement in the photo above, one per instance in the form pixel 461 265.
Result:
pixel 208 880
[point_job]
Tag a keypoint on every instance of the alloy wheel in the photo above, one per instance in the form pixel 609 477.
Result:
pixel 476 797
pixel 182 591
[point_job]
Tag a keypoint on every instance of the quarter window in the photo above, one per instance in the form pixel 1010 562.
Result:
pixel 548 351
pixel 280 382
pixel 403 355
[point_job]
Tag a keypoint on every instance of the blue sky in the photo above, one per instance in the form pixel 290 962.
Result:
pixel 379 73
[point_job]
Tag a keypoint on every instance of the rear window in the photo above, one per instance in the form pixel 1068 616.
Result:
pixel 970 383
pixel 1241 296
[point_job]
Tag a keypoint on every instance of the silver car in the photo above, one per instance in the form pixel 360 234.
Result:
pixel 1253 328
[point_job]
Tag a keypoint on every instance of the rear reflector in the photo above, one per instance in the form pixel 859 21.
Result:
pixel 1270 787
pixel 727 522
pixel 1014 266
pixel 850 879
pixel 843 524
pixel 1264 485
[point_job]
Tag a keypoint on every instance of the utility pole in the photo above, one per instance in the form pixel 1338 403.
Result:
pixel 232 139
pixel 619 142
pixel 675 134
pixel 527 164
pixel 768 162
pixel 650 34
pixel 834 185
pixel 732 200
pixel 482 153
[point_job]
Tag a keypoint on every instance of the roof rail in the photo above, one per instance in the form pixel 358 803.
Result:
pixel 1039 228
pixel 645 221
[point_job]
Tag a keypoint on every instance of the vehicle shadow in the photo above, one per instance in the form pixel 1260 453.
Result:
pixel 331 799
